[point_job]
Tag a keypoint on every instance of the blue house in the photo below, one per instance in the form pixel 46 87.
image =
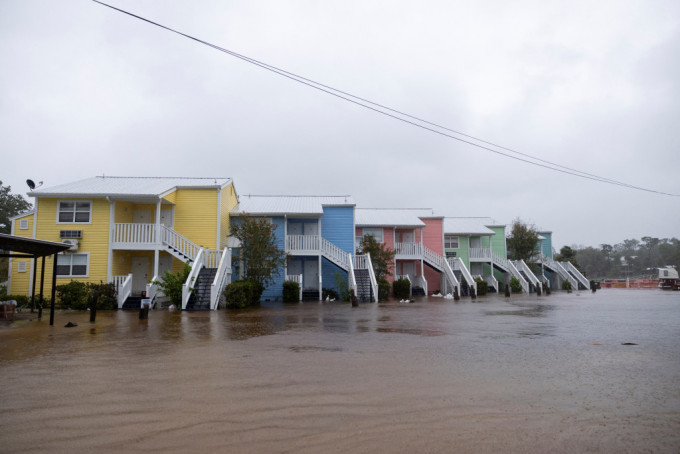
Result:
pixel 317 234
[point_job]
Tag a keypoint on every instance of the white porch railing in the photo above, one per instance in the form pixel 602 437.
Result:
pixel 296 278
pixel 458 265
pixel 479 253
pixel 135 233
pixel 187 287
pixel 413 250
pixel 222 278
pixel 212 259
pixel 363 262
pixel 123 286
pixel 421 282
pixel 297 243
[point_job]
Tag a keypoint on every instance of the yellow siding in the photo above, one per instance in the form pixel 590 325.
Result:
pixel 196 216
pixel 229 201
pixel 172 197
pixel 95 240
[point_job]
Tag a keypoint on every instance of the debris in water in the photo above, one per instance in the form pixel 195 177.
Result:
pixel 70 325
pixel 628 343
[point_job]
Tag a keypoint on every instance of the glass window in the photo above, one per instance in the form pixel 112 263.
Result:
pixel 72 265
pixel 375 233
pixel 450 242
pixel 75 212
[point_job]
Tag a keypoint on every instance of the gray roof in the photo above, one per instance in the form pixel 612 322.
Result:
pixel 468 226
pixel 288 204
pixel 127 186
pixel 393 217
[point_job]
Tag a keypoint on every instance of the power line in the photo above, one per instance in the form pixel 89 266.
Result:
pixel 398 115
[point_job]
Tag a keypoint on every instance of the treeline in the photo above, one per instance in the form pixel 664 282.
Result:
pixel 631 258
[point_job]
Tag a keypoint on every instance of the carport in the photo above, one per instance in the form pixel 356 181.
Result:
pixel 19 247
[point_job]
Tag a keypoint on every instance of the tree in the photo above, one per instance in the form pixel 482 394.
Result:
pixel 522 241
pixel 567 254
pixel 261 257
pixel 10 205
pixel 382 257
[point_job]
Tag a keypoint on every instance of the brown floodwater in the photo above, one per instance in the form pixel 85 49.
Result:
pixel 526 374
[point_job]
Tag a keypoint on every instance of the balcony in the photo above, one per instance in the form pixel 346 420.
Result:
pixel 303 244
pixel 408 251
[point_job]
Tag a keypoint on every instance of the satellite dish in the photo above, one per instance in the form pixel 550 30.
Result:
pixel 30 184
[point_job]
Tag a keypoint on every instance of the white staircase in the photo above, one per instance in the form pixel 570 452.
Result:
pixel 439 263
pixel 571 269
pixel 561 272
pixel 457 264
pixel 523 267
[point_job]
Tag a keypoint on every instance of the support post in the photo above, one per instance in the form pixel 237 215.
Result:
pixel 54 288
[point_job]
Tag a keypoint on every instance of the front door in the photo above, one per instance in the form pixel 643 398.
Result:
pixel 139 267
pixel 311 277
pixel 475 242
pixel 166 218
pixel 410 269
pixel 141 216
pixel 164 264
pixel 311 229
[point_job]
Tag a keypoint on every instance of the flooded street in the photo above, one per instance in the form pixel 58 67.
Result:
pixel 524 374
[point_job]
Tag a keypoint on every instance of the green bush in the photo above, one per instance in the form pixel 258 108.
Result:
pixel 22 300
pixel 241 294
pixel 171 284
pixel 343 288
pixel 383 290
pixel 401 288
pixel 566 285
pixel 291 292
pixel 106 295
pixel 515 285
pixel 73 295
pixel 482 286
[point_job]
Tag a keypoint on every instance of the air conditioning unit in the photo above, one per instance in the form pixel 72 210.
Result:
pixel 70 234
pixel 72 242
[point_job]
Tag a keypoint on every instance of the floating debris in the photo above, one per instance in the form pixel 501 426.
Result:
pixel 70 325
pixel 628 343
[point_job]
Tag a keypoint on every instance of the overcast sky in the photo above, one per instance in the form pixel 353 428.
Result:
pixel 591 85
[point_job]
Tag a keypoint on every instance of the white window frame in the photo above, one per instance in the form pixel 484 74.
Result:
pixel 23 224
pixel 70 256
pixel 22 267
pixel 75 202
pixel 380 238
pixel 448 238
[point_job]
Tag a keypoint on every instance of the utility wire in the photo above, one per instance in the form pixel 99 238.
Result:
pixel 368 105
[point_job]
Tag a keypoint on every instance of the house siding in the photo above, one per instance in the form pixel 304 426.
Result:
pixel 19 282
pixel 196 216
pixel 228 201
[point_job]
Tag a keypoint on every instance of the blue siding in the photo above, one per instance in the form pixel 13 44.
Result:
pixel 328 271
pixel 337 226
pixel 275 291
pixel 547 244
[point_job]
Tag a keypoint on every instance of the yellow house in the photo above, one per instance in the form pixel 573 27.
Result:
pixel 129 231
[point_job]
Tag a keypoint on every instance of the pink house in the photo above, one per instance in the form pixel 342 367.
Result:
pixel 417 237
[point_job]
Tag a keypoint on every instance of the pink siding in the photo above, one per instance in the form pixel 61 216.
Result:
pixel 433 235
pixel 433 278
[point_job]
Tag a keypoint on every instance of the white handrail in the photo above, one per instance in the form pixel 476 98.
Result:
pixel 458 264
pixel 212 259
pixel 409 248
pixel 491 280
pixel 559 269
pixel 522 266
pixel 577 274
pixel 222 278
pixel 179 243
pixel 479 253
pixel 352 279
pixel 336 255
pixel 187 287
pixel 371 274
pixel 123 288
pixel 448 272
pixel 421 282
pixel 152 289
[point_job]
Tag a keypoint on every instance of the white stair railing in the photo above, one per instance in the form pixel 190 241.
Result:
pixel 352 279
pixel 123 288
pixel 457 264
pixel 440 263
pixel 421 282
pixel 559 269
pixel 222 278
pixel 576 273
pixel 410 249
pixel 336 255
pixel 491 281
pixel 523 267
pixel 515 273
pixel 450 275
pixel 178 243
pixel 152 289
pixel 188 286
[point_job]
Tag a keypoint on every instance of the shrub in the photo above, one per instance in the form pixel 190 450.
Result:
pixel 383 290
pixel 482 286
pixel 106 295
pixel 73 295
pixel 22 300
pixel 291 292
pixel 401 288
pixel 171 284
pixel 343 288
pixel 241 294
pixel 566 285
pixel 515 285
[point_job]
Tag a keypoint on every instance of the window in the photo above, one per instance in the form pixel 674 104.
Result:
pixel 23 224
pixel 72 265
pixel 451 254
pixel 74 212
pixel 375 233
pixel 450 242
pixel 21 267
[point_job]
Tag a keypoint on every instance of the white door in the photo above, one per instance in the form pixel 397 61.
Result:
pixel 311 277
pixel 166 218
pixel 141 216
pixel 294 229
pixel 406 237
pixel 139 267
pixel 164 264
pixel 312 229
pixel 410 269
